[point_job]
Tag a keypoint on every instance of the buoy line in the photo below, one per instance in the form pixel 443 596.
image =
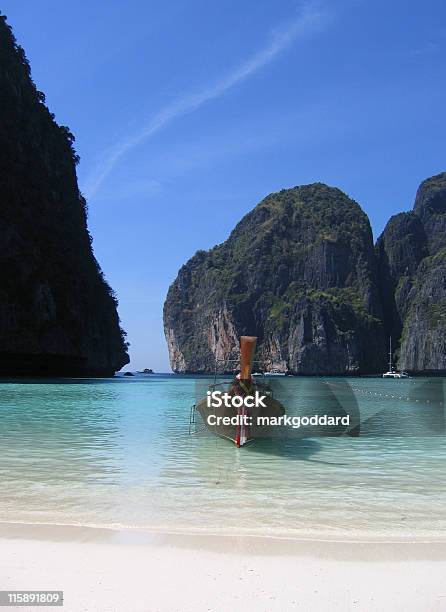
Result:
pixel 386 395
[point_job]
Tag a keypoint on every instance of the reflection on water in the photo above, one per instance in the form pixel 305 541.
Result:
pixel 117 452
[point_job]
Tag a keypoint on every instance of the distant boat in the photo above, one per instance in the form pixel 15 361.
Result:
pixel 275 372
pixel 147 371
pixel 392 373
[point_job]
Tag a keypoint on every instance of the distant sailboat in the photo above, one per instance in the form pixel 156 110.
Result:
pixel 393 373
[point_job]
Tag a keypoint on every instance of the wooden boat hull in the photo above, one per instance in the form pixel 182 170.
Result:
pixel 239 422
pixel 273 408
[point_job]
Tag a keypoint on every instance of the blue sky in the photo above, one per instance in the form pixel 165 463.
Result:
pixel 187 113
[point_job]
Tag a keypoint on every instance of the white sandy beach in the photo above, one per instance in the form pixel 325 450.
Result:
pixel 104 570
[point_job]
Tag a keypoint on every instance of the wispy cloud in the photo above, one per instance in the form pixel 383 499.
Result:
pixel 309 19
pixel 426 50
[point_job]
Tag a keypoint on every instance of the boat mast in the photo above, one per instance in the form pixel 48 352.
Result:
pixel 247 350
pixel 390 354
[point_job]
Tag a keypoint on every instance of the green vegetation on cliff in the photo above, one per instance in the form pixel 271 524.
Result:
pixel 412 262
pixel 298 271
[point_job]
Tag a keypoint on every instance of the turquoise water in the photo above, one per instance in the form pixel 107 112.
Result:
pixel 117 453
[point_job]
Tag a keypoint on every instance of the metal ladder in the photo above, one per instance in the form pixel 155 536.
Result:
pixel 192 421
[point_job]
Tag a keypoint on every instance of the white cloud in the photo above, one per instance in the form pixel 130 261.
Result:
pixel 309 19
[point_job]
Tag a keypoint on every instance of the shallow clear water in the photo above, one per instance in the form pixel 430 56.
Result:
pixel 117 453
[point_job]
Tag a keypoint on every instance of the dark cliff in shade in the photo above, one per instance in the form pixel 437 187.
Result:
pixel 299 272
pixel 57 313
pixel 412 266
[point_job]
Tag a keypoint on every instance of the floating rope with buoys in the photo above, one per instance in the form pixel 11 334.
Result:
pixel 394 397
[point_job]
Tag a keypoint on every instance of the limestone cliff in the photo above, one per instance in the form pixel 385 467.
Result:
pixel 412 267
pixel 57 313
pixel 299 272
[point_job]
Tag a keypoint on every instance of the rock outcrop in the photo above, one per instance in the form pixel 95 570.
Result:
pixel 57 314
pixel 412 267
pixel 299 272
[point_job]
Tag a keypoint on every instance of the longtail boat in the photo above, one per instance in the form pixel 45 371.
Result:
pixel 242 401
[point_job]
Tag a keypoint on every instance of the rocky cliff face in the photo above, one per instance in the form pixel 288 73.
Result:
pixel 299 272
pixel 412 267
pixel 57 313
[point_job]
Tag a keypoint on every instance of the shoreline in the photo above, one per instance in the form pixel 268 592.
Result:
pixel 221 542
